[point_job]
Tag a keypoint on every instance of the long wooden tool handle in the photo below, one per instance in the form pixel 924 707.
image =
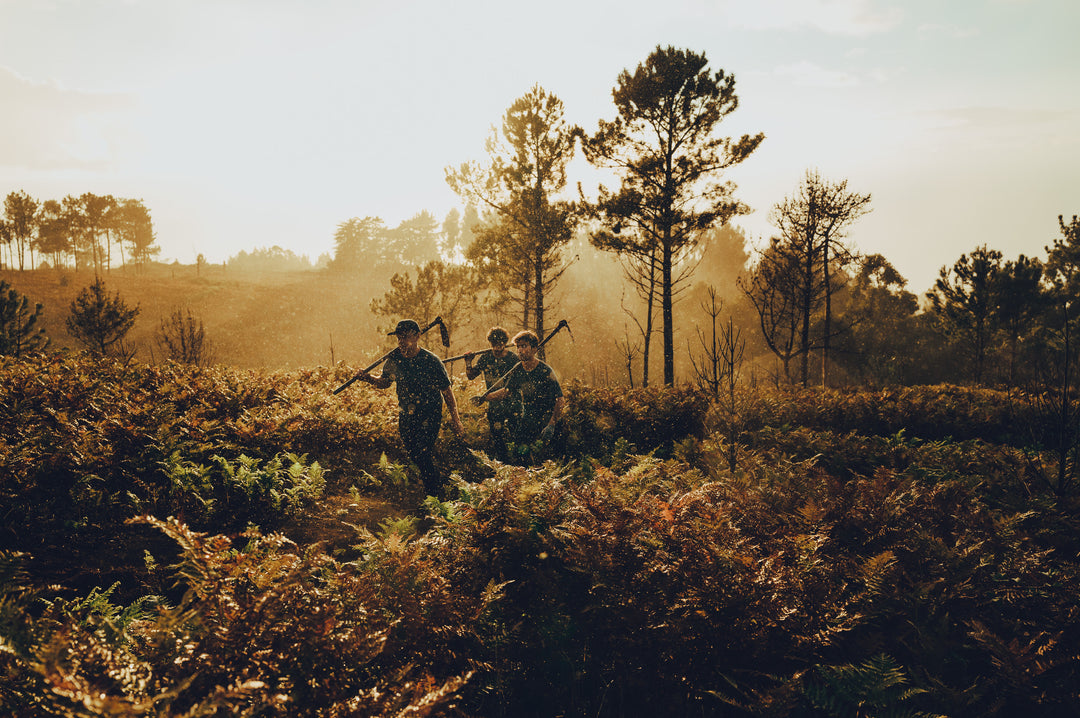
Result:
pixel 502 379
pixel 462 356
pixel 445 340
pixel 349 383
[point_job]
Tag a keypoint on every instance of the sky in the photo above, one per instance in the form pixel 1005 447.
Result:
pixel 244 124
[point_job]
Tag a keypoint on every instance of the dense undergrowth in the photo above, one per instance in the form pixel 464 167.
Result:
pixel 873 553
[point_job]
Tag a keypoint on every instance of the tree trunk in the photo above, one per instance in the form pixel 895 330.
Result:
pixel 804 334
pixel 650 304
pixel 828 318
pixel 526 306
pixel 669 329
pixel 538 281
pixel 1066 432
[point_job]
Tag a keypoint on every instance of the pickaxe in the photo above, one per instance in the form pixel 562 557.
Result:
pixel 444 335
pixel 478 400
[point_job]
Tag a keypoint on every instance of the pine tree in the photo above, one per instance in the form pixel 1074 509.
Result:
pixel 101 322
pixel 19 330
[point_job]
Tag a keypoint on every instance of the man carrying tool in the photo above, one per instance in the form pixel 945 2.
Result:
pixel 422 386
pixel 542 401
pixel 501 413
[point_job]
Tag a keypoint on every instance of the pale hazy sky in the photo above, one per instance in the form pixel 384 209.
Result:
pixel 253 123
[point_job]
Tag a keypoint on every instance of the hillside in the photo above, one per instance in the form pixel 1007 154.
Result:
pixel 297 319
pixel 275 320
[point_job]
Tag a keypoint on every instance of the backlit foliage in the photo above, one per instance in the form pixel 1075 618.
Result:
pixel 880 553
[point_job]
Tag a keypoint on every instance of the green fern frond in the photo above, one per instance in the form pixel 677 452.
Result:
pixel 877 687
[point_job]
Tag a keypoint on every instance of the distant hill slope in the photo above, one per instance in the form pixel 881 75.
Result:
pixel 279 320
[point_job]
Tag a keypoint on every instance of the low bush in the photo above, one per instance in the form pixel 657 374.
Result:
pixel 884 554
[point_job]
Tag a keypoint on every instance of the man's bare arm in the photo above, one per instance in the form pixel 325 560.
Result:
pixel 379 382
pixel 451 404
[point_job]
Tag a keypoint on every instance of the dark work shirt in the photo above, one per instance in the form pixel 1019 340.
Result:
pixel 420 381
pixel 539 390
pixel 494 367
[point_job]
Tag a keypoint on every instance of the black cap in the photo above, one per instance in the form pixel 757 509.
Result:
pixel 405 326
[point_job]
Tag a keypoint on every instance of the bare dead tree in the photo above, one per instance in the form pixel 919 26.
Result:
pixel 628 351
pixel 773 287
pixel 732 349
pixel 707 366
pixel 182 338
pixel 717 368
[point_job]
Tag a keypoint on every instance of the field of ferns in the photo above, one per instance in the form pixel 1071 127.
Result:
pixel 179 541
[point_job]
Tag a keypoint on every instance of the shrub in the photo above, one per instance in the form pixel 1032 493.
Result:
pixel 19 333
pixel 101 322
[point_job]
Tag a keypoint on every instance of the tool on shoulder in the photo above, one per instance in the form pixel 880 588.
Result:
pixel 444 335
pixel 466 355
pixel 478 400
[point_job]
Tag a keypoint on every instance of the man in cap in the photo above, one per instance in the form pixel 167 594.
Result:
pixel 422 387
pixel 493 364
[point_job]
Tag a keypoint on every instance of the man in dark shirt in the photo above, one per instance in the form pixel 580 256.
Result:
pixel 501 414
pixel 542 401
pixel 422 387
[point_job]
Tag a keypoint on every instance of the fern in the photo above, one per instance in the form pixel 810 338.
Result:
pixel 877 688
pixel 875 571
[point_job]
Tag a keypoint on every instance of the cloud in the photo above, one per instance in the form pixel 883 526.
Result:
pixel 949 31
pixel 45 126
pixel 1041 136
pixel 837 17
pixel 807 74
pixel 1022 121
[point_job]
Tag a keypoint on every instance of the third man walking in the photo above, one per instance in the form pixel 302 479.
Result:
pixel 542 402
pixel 502 413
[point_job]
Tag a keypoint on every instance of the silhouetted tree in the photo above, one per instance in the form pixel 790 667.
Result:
pixel 773 285
pixel 452 233
pixel 415 241
pixel 663 147
pixel 78 226
pixel 720 348
pixel 1019 304
pixel 641 266
pixel 54 231
pixel 19 332
pixel 504 266
pixel 812 223
pixel 716 368
pixel 1062 276
pixel 525 172
pixel 6 239
pixel 95 211
pixel 440 289
pixel 101 322
pixel 21 209
pixel 181 337
pixel 358 244
pixel 628 350
pixel 133 226
pixel 885 343
pixel 272 259
pixel 963 302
